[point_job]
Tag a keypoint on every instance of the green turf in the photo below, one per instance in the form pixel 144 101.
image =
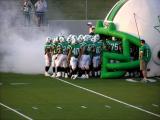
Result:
pixel 47 94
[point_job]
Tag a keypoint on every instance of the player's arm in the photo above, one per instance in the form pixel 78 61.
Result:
pixel 141 53
pixel 45 51
pixel 51 51
pixel 69 54
pixel 80 53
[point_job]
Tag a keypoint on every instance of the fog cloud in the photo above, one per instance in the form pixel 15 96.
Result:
pixel 21 48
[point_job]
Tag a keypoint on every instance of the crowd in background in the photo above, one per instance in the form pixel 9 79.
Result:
pixel 38 10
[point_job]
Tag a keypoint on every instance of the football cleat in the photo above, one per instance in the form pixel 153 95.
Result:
pixel 53 75
pixel 58 74
pixel 72 76
pixel 83 77
pixel 86 76
pixel 75 76
pixel 46 74
pixel 66 75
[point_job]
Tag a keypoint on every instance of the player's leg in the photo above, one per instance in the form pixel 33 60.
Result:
pixel 47 64
pixel 91 67
pixel 144 70
pixel 87 61
pixel 95 65
pixel 73 64
pixel 53 65
pixel 64 66
pixel 59 65
pixel 81 66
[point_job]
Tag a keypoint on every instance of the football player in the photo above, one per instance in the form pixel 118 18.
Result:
pixel 61 61
pixel 85 60
pixel 115 47
pixel 48 56
pixel 54 54
pixel 74 55
pixel 96 52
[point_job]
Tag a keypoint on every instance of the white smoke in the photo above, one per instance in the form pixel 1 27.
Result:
pixel 21 48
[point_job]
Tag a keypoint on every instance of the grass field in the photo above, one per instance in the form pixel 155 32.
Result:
pixel 45 98
pixel 35 97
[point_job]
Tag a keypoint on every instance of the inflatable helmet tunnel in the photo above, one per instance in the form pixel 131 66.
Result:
pixel 129 23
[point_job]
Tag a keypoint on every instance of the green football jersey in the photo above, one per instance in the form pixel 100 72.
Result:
pixel 97 48
pixel 64 46
pixel 146 52
pixel 113 45
pixel 47 45
pixel 87 47
pixel 54 48
pixel 75 49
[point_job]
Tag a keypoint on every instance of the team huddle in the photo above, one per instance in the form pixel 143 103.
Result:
pixel 76 56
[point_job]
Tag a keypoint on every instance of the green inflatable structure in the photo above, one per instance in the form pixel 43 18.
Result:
pixel 116 70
